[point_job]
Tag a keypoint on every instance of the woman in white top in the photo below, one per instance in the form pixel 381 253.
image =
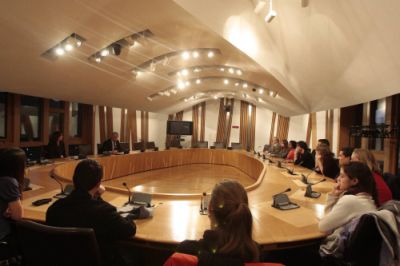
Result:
pixel 353 195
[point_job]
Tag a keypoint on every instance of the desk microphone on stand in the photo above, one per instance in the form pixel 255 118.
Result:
pixel 62 194
pixel 129 193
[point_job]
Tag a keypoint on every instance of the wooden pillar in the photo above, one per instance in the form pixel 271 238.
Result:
pixel 365 122
pixel 390 144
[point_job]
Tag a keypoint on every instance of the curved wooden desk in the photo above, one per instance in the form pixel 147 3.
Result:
pixel 177 217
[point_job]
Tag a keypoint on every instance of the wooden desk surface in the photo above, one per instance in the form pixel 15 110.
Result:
pixel 177 217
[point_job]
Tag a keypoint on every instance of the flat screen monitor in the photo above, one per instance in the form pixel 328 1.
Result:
pixel 179 127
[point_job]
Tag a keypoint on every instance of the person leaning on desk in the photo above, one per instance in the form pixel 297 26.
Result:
pixel 112 144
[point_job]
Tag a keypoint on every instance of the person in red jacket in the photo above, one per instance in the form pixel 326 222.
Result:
pixel 365 156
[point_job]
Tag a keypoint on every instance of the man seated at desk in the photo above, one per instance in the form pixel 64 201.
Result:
pixel 84 207
pixel 112 144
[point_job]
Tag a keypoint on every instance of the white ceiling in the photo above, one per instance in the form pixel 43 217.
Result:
pixel 327 55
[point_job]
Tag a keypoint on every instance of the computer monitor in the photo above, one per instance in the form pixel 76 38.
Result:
pixel 84 150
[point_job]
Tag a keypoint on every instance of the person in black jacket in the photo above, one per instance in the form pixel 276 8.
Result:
pixel 112 144
pixel 303 156
pixel 56 147
pixel 84 207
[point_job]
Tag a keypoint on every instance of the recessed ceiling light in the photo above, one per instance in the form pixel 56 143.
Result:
pixel 239 72
pixel 198 81
pixel 244 85
pixel 210 54
pixel 78 43
pixel 187 83
pixel 231 70
pixel 181 85
pixel 260 91
pixel 215 97
pixel 60 51
pixel 104 52
pixel 68 47
pixel 149 98
pixel 98 59
pixel 185 72
pixel 271 93
pixel 222 69
pixel 196 70
pixel 237 84
pixel 226 82
pixel 185 55
pixel 195 54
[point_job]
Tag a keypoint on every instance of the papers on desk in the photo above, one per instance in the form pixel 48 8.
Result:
pixel 135 211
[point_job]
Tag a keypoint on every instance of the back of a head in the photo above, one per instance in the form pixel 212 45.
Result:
pixel 365 156
pixel 324 141
pixel 302 145
pixel 293 143
pixel 12 164
pixel 88 173
pixel 366 181
pixel 347 151
pixel 230 213
pixel 285 143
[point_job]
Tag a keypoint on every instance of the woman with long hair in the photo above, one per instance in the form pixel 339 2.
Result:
pixel 230 236
pixel 292 151
pixel 353 195
pixel 366 157
pixel 12 171
pixel 326 164
pixel 56 147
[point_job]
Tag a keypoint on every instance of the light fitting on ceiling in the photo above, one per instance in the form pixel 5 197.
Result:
pixel 271 13
pixel 116 47
pixel 259 6
pixel 65 46
pixel 196 69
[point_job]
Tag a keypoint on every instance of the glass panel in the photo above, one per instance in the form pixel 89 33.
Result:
pixel 30 118
pixel 75 120
pixel 56 104
pixel 380 119
pixel 56 122
pixel 3 101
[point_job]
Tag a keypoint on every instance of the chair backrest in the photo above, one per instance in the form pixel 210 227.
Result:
pixel 180 259
pixel 393 183
pixel 150 145
pixel 219 145
pixel 124 146
pixel 99 148
pixel 236 146
pixel 137 146
pixel 48 245
pixel 202 144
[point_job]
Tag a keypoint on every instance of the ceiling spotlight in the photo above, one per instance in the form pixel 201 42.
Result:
pixel 185 100
pixel 161 93
pixel 226 82
pixel 210 54
pixel 187 83
pixel 271 93
pixel 271 13
pixel 167 93
pixel 185 72
pixel 59 51
pixel 215 97
pixel 245 85
pixel 173 91
pixel 231 70
pixel 260 5
pixel 236 84
pixel 149 98
pixel 104 52
pixel 195 54
pixel 68 47
pixel 78 43
pixel 185 55
pixel 222 69
pixel 181 85
pixel 239 72
pixel 198 81
pixel 178 73
pixel 260 91
pixel 196 70
pixel 98 59
pixel 260 100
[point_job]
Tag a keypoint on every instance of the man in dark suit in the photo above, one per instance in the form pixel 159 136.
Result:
pixel 303 156
pixel 84 207
pixel 112 144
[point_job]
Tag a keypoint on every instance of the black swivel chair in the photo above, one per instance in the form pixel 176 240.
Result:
pixel 219 145
pixel 48 245
pixel 236 146
pixel 393 182
pixel 99 148
pixel 151 145
pixel 202 144
pixel 138 146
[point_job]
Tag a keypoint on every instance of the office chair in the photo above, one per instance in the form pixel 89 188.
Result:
pixel 138 146
pixel 236 146
pixel 202 144
pixel 219 145
pixel 99 148
pixel 48 245
pixel 151 146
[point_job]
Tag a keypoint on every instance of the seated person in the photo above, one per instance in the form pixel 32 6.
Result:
pixel 12 170
pixel 321 142
pixel 84 207
pixel 345 155
pixel 229 241
pixel 56 147
pixel 275 148
pixel 366 157
pixel 354 194
pixel 292 151
pixel 326 164
pixel 284 148
pixel 112 144
pixel 303 156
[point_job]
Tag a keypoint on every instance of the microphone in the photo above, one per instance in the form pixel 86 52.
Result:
pixel 320 181
pixel 129 193
pixel 313 194
pixel 279 164
pixel 304 178
pixel 62 194
pixel 290 171
pixel 287 190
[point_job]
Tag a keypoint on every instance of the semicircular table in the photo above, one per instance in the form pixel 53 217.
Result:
pixel 176 215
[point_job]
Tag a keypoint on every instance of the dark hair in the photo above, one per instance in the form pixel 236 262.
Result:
pixel 285 143
pixel 324 150
pixel 293 143
pixel 88 173
pixel 54 137
pixel 302 145
pixel 324 141
pixel 230 213
pixel 366 181
pixel 12 164
pixel 347 151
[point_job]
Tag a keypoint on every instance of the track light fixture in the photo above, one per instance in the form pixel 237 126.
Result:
pixel 271 13
pixel 65 46
pixel 259 6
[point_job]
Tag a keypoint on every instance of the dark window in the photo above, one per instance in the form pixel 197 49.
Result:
pixel 56 104
pixel 75 121
pixel 3 114
pixel 31 109
pixel 56 122
pixel 377 117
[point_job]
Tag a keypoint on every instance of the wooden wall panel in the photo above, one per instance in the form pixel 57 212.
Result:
pixel 271 136
pixel 203 121
pixel 109 122
pixel 102 123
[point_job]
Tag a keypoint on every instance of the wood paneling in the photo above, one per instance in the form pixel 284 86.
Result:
pixel 109 122
pixel 272 132
pixel 314 130
pixel 102 123
pixel 283 127
pixel 132 125
pixel 391 145
pixel 221 121
pixel 366 121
